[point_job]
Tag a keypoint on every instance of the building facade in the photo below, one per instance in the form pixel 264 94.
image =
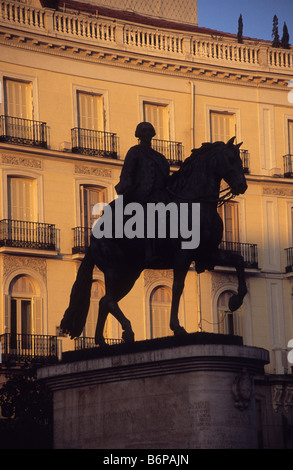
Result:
pixel 76 79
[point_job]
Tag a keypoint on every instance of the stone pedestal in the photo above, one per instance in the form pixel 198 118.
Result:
pixel 194 392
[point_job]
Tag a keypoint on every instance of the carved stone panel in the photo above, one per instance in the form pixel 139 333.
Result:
pixel 13 263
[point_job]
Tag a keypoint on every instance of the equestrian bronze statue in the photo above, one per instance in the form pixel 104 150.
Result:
pixel 122 259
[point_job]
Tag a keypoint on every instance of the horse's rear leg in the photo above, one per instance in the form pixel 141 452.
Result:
pixel 177 289
pixel 102 317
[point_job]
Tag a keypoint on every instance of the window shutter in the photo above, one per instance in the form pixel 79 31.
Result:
pixel 158 116
pixel 290 136
pixel 90 111
pixel 7 313
pixel 230 217
pixel 160 312
pixel 89 197
pixel 18 99
pixel 222 126
pixel 37 316
pixel 20 199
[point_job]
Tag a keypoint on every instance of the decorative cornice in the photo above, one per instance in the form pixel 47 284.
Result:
pixel 165 65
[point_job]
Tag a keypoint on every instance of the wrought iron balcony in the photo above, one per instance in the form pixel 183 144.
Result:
pixel 23 131
pixel 245 157
pixel 247 250
pixel 95 143
pixel 173 151
pixel 85 342
pixel 23 234
pixel 26 348
pixel 288 165
pixel 289 265
pixel 81 239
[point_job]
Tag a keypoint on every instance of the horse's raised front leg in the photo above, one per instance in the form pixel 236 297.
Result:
pixel 177 289
pixel 228 258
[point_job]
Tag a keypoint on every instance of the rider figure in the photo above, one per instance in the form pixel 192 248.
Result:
pixel 145 170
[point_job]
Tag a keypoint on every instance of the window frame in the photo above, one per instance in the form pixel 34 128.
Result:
pixel 159 102
pixel 104 94
pixel 38 196
pixel 22 78
pixel 226 110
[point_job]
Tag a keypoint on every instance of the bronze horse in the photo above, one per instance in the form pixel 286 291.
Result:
pixel 122 260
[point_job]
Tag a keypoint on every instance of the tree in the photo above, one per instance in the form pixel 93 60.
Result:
pixel 285 38
pixel 240 30
pixel 27 409
pixel 275 32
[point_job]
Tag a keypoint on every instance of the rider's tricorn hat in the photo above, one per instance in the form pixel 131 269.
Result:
pixel 143 125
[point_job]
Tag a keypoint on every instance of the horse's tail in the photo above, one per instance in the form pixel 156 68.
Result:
pixel 75 316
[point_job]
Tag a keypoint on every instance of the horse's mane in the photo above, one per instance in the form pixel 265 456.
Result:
pixel 196 162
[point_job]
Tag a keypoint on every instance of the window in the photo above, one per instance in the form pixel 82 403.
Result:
pixel 230 218
pixel 223 126
pixel 160 312
pixel 23 312
pixel 89 197
pixel 21 199
pixel 227 320
pixel 158 116
pixel 290 136
pixel 18 98
pixel 90 111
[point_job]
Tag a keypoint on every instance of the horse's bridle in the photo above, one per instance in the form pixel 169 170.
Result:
pixel 219 200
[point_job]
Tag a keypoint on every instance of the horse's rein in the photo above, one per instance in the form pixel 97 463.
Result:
pixel 220 200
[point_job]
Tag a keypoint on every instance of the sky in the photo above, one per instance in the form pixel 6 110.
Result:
pixel 257 16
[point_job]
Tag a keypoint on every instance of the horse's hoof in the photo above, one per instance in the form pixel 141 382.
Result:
pixel 234 303
pixel 180 331
pixel 128 336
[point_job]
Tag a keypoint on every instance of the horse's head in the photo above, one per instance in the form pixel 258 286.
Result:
pixel 232 168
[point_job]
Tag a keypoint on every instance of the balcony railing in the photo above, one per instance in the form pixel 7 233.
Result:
pixel 288 166
pixel 23 131
pixel 173 151
pixel 93 29
pixel 23 348
pixel 289 265
pixel 245 157
pixel 81 239
pixel 95 143
pixel 23 234
pixel 87 342
pixel 247 250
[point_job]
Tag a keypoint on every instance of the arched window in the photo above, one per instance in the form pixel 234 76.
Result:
pixel 160 308
pixel 229 323
pixel 23 310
